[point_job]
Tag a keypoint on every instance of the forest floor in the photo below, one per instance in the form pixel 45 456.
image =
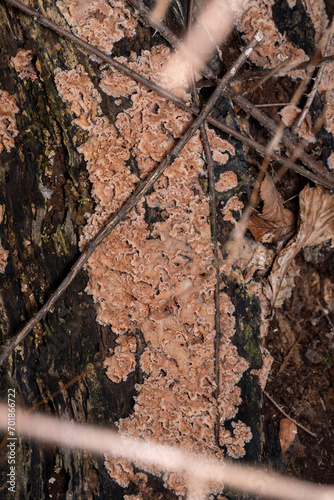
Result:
pixel 301 380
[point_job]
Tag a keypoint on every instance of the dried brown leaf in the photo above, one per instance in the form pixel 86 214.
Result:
pixel 287 433
pixel 272 200
pixel 316 225
pixel 275 222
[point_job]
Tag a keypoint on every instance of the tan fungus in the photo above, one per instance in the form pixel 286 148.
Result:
pixel 8 129
pixel 227 180
pixel 274 47
pixel 157 277
pixel 23 64
pixel 99 22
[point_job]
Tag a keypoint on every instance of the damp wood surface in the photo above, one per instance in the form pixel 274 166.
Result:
pixel 45 194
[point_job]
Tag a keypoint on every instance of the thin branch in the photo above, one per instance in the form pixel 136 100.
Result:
pixel 159 11
pixel 289 353
pixel 287 138
pixel 52 430
pixel 272 104
pixel 141 191
pixel 266 77
pixel 293 66
pixel 214 234
pixel 288 416
pixel 164 93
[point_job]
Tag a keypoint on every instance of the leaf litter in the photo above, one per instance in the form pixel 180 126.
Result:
pixel 315 226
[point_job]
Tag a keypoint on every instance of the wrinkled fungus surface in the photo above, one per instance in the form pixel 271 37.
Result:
pixel 99 22
pixel 8 129
pixel 156 275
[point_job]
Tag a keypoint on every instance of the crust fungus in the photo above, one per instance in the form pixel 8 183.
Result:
pixel 8 128
pixel 23 64
pixel 227 181
pixel 3 253
pixel 275 47
pixel 156 274
pixel 99 22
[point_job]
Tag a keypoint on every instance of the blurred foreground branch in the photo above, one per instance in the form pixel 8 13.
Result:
pixel 51 430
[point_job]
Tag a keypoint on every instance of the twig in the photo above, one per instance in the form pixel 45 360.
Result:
pixel 260 73
pixel 159 11
pixel 317 81
pixel 214 233
pixel 272 104
pixel 287 137
pixel 287 416
pixel 164 93
pixel 289 353
pixel 141 191
pixel 207 470
pixel 271 73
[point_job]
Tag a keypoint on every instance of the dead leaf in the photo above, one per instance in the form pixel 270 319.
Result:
pixel 287 433
pixel 290 115
pixel 287 285
pixel 275 222
pixel 316 225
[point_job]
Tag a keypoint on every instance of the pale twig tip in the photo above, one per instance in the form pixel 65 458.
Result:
pixel 258 35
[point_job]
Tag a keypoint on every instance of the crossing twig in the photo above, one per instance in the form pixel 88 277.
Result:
pixel 214 234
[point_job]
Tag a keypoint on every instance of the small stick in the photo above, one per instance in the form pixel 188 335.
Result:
pixel 164 93
pixel 271 73
pixel 252 75
pixel 141 191
pixel 289 353
pixel 272 104
pixel 207 470
pixel 317 81
pixel 214 232
pixel 287 416
pixel 287 137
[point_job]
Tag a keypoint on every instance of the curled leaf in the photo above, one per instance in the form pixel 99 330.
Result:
pixel 275 222
pixel 316 225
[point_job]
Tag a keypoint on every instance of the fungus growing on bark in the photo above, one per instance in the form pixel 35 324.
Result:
pixel 122 362
pixel 155 274
pixel 99 22
pixel 227 180
pixel 3 253
pixel 8 129
pixel 274 47
pixel 23 64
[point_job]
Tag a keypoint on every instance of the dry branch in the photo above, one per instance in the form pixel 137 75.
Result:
pixel 214 232
pixel 52 430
